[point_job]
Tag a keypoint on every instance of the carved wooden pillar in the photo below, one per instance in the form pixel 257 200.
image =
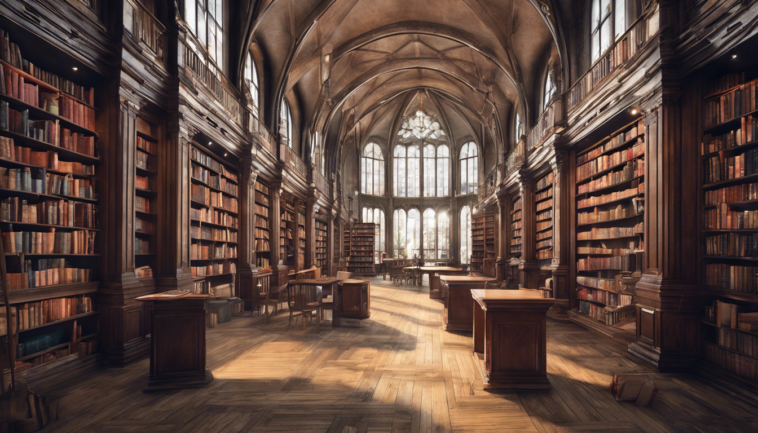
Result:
pixel 529 266
pixel 504 237
pixel 246 248
pixel 276 209
pixel 310 235
pixel 561 224
pixel 330 236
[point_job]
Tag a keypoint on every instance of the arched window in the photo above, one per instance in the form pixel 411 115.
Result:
pixel 376 216
pixel 251 80
pixel 443 234
pixel 372 170
pixel 609 21
pixel 549 90
pixel 407 235
pixel 206 21
pixel 430 234
pixel 436 170
pixel 518 129
pixel 465 234
pixel 407 170
pixel 469 168
pixel 287 122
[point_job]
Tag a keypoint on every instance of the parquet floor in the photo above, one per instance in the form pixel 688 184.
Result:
pixel 401 373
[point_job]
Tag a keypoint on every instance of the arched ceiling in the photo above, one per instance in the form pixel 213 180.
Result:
pixel 478 57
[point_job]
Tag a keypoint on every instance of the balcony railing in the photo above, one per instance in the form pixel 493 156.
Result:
pixel 320 181
pixel 144 26
pixel 293 161
pixel 267 140
pixel 490 184
pixel 625 48
pixel 545 125
pixel 516 158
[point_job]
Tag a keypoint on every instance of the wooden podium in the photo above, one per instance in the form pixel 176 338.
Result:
pixel 353 301
pixel 177 350
pixel 510 340
pixel 457 314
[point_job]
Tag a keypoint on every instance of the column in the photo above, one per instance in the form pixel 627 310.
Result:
pixel 561 224
pixel 247 258
pixel 529 266
pixel 330 236
pixel 310 235
pixel 276 208
pixel 504 236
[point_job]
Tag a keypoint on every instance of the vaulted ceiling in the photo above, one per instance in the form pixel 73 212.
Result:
pixel 353 65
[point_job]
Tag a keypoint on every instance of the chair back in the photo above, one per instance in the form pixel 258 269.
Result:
pixel 301 295
pixel 342 275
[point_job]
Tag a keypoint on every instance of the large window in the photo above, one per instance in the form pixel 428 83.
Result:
pixel 465 234
pixel 407 170
pixel 376 216
pixel 430 234
pixel 436 234
pixel 469 168
pixel 407 233
pixel 443 234
pixel 609 21
pixel 549 90
pixel 287 122
pixel 206 20
pixel 436 170
pixel 251 81
pixel 372 170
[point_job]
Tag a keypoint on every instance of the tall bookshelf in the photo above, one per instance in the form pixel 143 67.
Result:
pixel 346 241
pixel 301 245
pixel 516 227
pixel 543 197
pixel 145 187
pixel 322 239
pixel 477 243
pixel 609 232
pixel 214 216
pixel 286 232
pixel 49 210
pixel 729 234
pixel 262 226
pixel 483 244
pixel 361 258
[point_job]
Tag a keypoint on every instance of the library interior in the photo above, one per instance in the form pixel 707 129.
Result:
pixel 349 216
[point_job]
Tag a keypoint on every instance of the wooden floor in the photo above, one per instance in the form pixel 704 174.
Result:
pixel 401 372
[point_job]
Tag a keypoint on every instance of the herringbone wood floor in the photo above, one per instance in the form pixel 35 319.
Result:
pixel 400 372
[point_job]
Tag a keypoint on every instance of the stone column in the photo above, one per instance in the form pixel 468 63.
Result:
pixel 330 236
pixel 310 235
pixel 561 224
pixel 529 266
pixel 504 236
pixel 276 208
pixel 246 248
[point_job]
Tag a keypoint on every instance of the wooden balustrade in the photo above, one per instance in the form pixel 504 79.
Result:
pixel 293 161
pixel 516 158
pixel 144 27
pixel 544 127
pixel 320 181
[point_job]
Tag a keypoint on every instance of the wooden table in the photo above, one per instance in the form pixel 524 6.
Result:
pixel 434 277
pixel 457 315
pixel 510 338
pixel 352 301
pixel 327 285
pixel 177 344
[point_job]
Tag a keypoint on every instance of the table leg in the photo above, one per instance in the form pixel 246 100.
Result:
pixel 479 320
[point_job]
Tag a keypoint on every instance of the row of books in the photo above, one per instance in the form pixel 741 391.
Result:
pixel 730 361
pixel 605 314
pixel 637 188
pixel 718 168
pixel 516 216
pixel 11 54
pixel 52 242
pixel 262 199
pixel 729 316
pixel 741 342
pixel 49 159
pixel 142 182
pixel 542 195
pixel 71 187
pixel 262 233
pixel 544 254
pixel 47 272
pixel 261 223
pixel 141 246
pixel 610 232
pixel 724 218
pixel 214 216
pixel 548 214
pixel 213 234
pixel 725 82
pixel 607 251
pixel 227 267
pixel 146 145
pixel 632 170
pixel 40 182
pixel 214 165
pixel 516 241
pixel 732 245
pixel 630 262
pixel 748 132
pixel 142 160
pixel 610 284
pixel 52 212
pixel 548 234
pixel 517 204
pixel 605 162
pixel 143 225
pixel 517 233
pixel 741 192
pixel 544 181
pixel 261 210
pixel 597 215
pixel 610 299
pixel 215 199
pixel 544 205
pixel 200 252
pixel 47 131
pixel 730 277
pixel 544 225
pixel 613 143
pixel 142 204
pixel 262 188
pixel 516 225
pixel 730 105
pixel 263 262
pixel 262 246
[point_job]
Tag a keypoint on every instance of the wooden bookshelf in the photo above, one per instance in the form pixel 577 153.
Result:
pixel 322 240
pixel 609 234
pixel 214 217
pixel 48 193
pixel 483 244
pixel 346 241
pixel 477 243
pixel 361 255
pixel 729 231
pixel 145 187
pixel 286 233
pixel 262 226
pixel 516 227
pixel 544 212
pixel 301 245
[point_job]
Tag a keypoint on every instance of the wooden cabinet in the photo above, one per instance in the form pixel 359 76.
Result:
pixel 457 314
pixel 353 300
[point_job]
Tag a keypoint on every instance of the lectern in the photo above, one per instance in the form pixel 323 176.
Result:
pixel 177 349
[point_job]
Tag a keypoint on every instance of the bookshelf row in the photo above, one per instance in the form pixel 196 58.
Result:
pixel 359 247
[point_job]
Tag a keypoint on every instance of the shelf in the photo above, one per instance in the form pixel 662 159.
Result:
pixel 737 204
pixel 40 353
pixel 39 114
pixel 728 182
pixel 68 155
pixel 610 239
pixel 148 137
pixel 214 241
pixel 610 221
pixel 55 322
pixel 207 152
pixel 745 259
pixel 607 188
pixel 730 230
pixel 146 172
pixel 207 206
pixel 38 196
pixel 544 188
pixel 39 167
pixel 217 225
pixel 731 150
pixel 48 226
pixel 607 170
pixel 50 255
pixel 202 277
pixel 727 125
pixel 611 202
pixel 20 296
pixel 611 150
pixel 146 192
pixel 544 248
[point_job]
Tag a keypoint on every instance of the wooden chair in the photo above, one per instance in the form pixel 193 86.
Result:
pixel 265 300
pixel 305 302
pixel 396 274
